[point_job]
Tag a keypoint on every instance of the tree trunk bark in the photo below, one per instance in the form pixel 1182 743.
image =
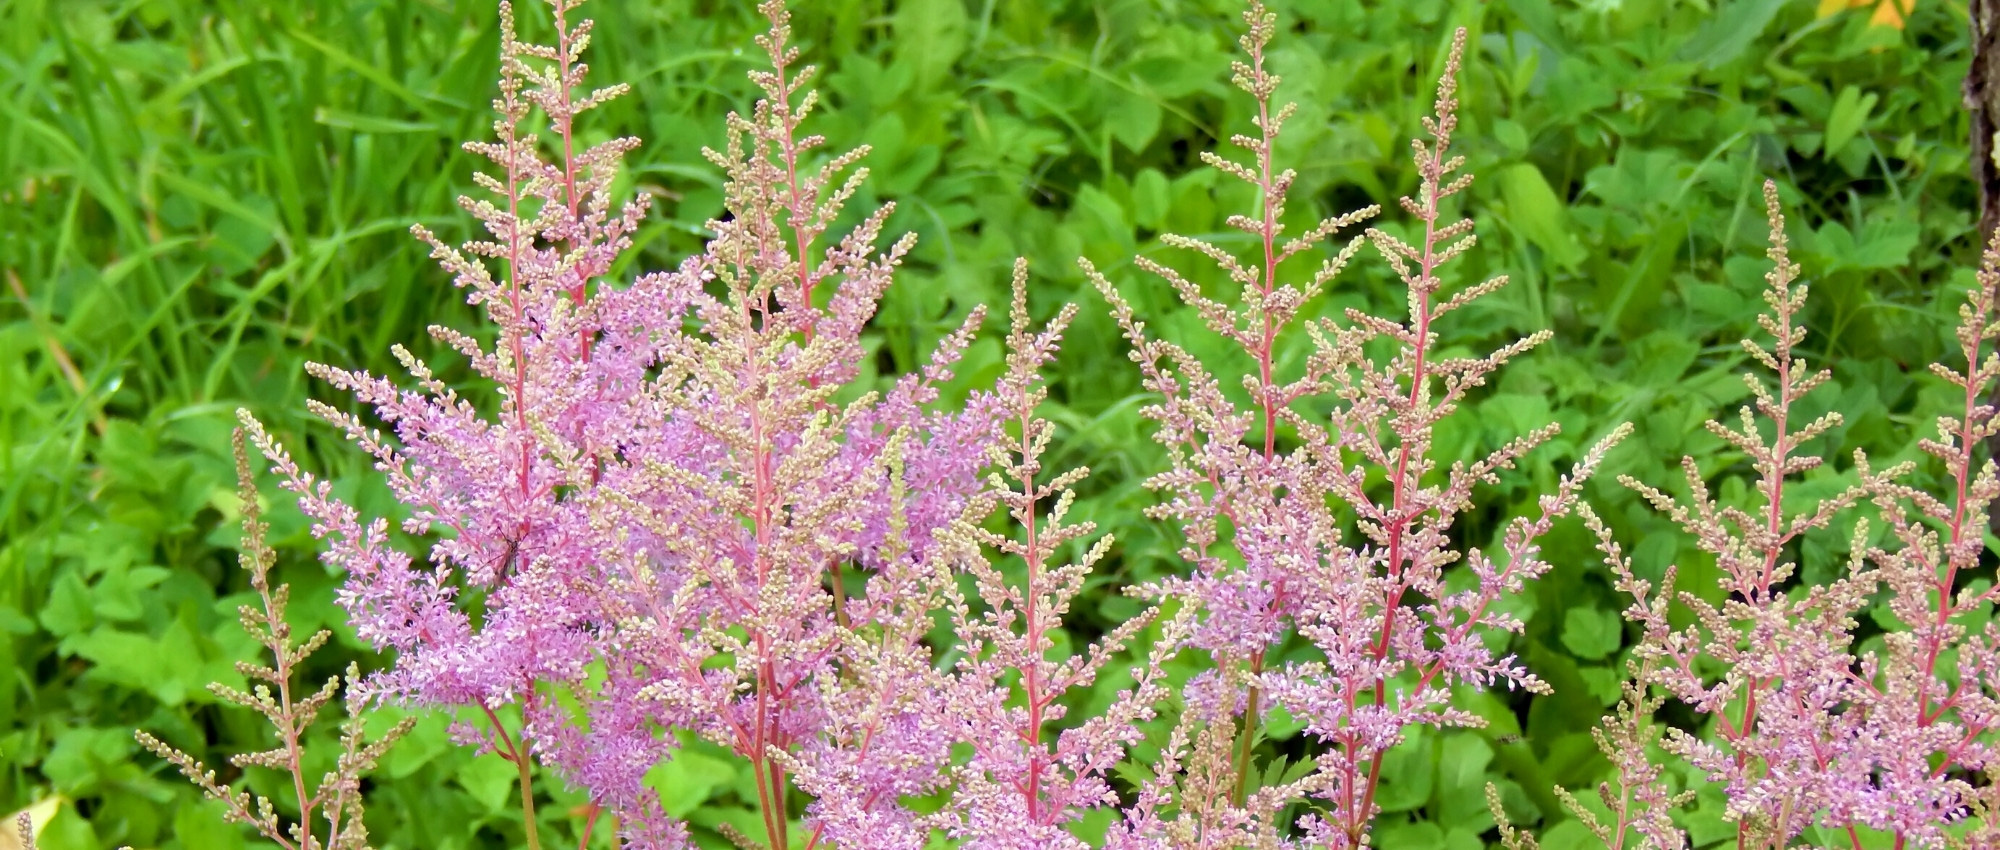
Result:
pixel 1982 99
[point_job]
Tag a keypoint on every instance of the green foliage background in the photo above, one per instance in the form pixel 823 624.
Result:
pixel 197 197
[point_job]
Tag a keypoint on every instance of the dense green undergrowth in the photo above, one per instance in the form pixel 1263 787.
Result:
pixel 196 198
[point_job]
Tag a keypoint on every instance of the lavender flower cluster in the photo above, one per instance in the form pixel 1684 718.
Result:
pixel 686 520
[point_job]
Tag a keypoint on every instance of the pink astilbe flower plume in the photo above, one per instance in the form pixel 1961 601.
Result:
pixel 1788 743
pixel 739 520
pixel 1808 728
pixel 1392 640
pixel 329 812
pixel 517 538
pixel 655 524
pixel 1023 784
pixel 1930 691
pixel 1640 798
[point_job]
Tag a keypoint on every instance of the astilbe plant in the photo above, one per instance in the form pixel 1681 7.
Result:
pixel 1932 691
pixel 654 531
pixel 1388 637
pixel 1022 785
pixel 1782 742
pixel 328 813
pixel 1807 724
pixel 738 526
pixel 516 541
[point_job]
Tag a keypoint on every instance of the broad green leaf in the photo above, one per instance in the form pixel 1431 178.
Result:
pixel 69 610
pixel 490 779
pixel 1134 119
pixel 1422 835
pixel 1462 781
pixel 1604 682
pixel 203 826
pixel 80 756
pixel 1407 771
pixel 930 35
pixel 426 741
pixel 1850 112
pixel 1537 214
pixel 1591 633
pixel 168 666
pixel 686 781
pixel 116 594
pixel 1729 32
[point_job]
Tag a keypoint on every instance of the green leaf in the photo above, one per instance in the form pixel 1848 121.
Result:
pixel 1662 357
pixel 1539 16
pixel 1850 112
pixel 930 34
pixel 69 610
pixel 1510 134
pixel 490 780
pixel 1422 835
pixel 687 781
pixel 1881 244
pixel 430 738
pixel 1886 243
pixel 1570 832
pixel 1151 196
pixel 1604 682
pixel 1461 838
pixel 167 666
pixel 1509 415
pixel 1407 770
pixel 1730 31
pixel 1534 211
pixel 81 756
pixel 202 826
pixel 1134 120
pixel 1462 781
pixel 116 593
pixel 68 831
pixel 1591 633
pixel 364 123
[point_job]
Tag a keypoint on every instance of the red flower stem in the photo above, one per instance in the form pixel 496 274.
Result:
pixel 1399 522
pixel 1961 474
pixel 770 779
pixel 1031 654
pixel 589 823
pixel 291 727
pixel 1265 400
pixel 566 125
pixel 519 756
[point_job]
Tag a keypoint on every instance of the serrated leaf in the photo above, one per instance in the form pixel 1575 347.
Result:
pixel 168 666
pixel 1407 771
pixel 115 596
pixel 68 610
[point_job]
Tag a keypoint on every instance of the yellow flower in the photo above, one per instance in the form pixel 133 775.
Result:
pixel 1888 13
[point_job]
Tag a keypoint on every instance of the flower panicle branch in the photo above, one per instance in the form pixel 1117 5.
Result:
pixel 335 801
pixel 1257 487
pixel 1024 783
